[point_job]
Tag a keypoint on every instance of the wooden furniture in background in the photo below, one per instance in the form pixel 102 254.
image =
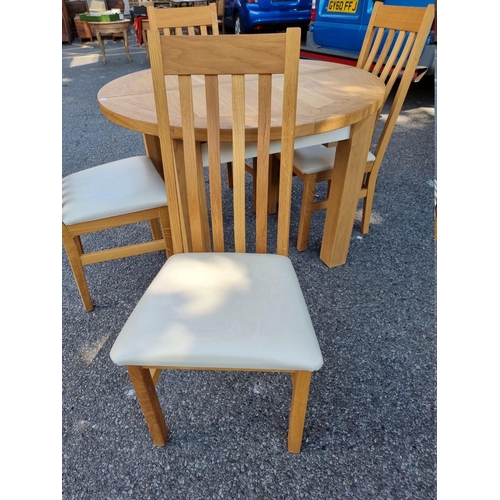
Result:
pixel 188 3
pixel 218 310
pixel 66 24
pixel 110 28
pixel 75 7
pixel 83 30
pixel 116 4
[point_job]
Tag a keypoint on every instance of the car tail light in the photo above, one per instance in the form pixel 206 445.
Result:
pixel 313 12
pixel 252 1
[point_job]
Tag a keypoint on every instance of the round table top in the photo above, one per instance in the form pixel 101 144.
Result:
pixel 330 96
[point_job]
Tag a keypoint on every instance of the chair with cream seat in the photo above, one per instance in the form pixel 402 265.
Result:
pixel 226 309
pixel 107 196
pixel 394 41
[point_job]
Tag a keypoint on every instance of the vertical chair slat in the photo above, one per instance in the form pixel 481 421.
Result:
pixel 381 58
pixel 287 143
pixel 238 105
pixel 393 56
pixel 374 49
pixel 383 53
pixel 214 169
pixel 191 161
pixel 262 185
pixel 402 62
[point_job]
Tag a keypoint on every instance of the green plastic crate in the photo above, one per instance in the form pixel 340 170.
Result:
pixel 103 18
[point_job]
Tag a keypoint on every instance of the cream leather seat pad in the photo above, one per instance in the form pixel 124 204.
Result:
pixel 221 310
pixel 314 159
pixel 115 188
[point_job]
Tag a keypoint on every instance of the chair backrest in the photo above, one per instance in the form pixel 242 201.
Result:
pixel 394 41
pixel 243 63
pixel 221 5
pixel 186 20
pixel 392 47
pixel 221 15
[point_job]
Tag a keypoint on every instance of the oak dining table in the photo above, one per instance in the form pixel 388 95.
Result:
pixel 331 97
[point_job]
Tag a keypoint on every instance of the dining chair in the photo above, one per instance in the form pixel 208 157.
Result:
pixel 238 307
pixel 391 49
pixel 108 196
pixel 199 20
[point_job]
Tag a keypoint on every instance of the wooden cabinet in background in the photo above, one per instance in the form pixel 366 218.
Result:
pixel 82 29
pixel 116 4
pixel 66 26
pixel 74 8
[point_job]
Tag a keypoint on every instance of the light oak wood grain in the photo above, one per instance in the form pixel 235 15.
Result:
pixel 330 96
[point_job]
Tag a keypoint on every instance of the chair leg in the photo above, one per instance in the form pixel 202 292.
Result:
pixel 155 229
pixel 166 230
pixel 155 374
pixel 145 391
pixel 306 211
pixel 300 394
pixel 367 211
pixel 368 201
pixel 78 243
pixel 73 251
pixel 435 222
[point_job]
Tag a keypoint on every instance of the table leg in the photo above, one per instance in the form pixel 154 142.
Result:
pixel 101 45
pixel 347 176
pixel 125 39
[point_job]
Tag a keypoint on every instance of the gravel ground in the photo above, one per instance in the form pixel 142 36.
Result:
pixel 370 431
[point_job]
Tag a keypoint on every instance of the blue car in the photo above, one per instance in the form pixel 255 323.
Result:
pixel 254 16
pixel 338 28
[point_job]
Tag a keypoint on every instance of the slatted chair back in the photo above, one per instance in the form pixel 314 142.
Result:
pixel 199 20
pixel 235 62
pixel 394 40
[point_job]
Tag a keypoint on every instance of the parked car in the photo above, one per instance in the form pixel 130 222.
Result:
pixel 337 30
pixel 254 16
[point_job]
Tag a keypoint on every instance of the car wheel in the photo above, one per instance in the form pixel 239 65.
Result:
pixel 238 28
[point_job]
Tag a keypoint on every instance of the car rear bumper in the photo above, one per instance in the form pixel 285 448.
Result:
pixel 276 18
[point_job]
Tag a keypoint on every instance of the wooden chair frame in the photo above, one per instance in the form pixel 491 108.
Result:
pixel 186 56
pixel 160 229
pixel 392 47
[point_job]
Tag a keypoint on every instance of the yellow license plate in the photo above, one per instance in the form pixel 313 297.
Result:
pixel 345 6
